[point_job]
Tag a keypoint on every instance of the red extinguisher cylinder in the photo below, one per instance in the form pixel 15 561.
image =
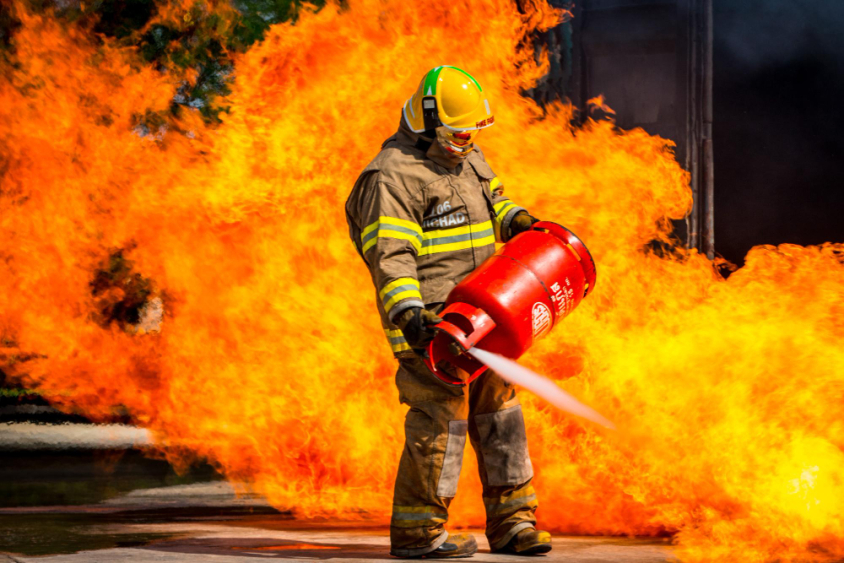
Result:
pixel 511 300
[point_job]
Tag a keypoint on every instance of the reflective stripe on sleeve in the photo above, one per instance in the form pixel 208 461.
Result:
pixel 501 209
pixel 458 238
pixel 390 227
pixel 397 341
pixel 395 291
pixel 494 183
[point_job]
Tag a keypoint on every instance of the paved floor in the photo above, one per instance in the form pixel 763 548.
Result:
pixel 33 436
pixel 123 515
pixel 207 522
pixel 225 544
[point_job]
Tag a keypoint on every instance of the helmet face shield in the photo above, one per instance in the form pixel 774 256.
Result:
pixel 458 143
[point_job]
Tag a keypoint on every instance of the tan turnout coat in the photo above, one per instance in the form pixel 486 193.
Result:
pixel 422 221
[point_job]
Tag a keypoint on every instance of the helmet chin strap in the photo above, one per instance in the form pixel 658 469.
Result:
pixel 431 117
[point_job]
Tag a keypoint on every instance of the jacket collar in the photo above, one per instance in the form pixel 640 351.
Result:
pixel 435 152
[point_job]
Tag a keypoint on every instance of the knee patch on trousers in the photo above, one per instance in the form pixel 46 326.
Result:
pixel 453 459
pixel 504 447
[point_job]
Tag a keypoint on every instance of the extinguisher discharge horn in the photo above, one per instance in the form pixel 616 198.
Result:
pixel 463 326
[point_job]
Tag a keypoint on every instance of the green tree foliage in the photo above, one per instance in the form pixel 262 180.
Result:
pixel 195 44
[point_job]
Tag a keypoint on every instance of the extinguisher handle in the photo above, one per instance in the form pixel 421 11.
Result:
pixel 557 230
pixel 576 246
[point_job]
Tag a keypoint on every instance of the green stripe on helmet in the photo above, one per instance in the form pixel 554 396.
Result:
pixel 472 78
pixel 430 88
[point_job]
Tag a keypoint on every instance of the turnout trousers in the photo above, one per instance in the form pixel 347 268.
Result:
pixel 437 424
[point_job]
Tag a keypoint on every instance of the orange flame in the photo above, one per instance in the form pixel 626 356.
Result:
pixel 270 361
pixel 598 102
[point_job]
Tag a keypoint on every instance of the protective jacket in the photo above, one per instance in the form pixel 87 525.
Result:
pixel 422 221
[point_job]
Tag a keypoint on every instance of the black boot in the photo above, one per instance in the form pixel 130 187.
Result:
pixel 456 545
pixel 528 542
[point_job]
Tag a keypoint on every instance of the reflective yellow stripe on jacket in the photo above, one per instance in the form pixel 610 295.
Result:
pixel 397 290
pixel 458 238
pixel 390 227
pixel 494 183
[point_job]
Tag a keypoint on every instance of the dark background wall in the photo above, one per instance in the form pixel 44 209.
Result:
pixel 779 123
pixel 778 91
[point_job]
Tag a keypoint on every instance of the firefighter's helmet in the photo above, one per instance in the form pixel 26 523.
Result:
pixel 450 97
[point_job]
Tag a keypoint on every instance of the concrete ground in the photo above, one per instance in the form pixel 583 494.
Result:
pixel 31 436
pixel 84 494
pixel 208 522
pixel 219 545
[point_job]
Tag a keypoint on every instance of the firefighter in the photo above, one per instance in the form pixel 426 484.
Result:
pixel 423 214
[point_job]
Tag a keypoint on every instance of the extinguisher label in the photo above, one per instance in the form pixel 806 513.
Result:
pixel 541 319
pixel 562 297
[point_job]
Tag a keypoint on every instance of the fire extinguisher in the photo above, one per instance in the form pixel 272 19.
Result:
pixel 511 300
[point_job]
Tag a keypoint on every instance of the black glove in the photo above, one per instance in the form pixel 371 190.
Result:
pixel 415 323
pixel 522 222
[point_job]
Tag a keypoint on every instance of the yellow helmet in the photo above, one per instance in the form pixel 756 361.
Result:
pixel 450 97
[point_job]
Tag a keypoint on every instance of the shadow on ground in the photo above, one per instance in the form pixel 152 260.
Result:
pixel 269 547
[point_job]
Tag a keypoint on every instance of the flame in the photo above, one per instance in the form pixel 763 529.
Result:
pixel 598 102
pixel 269 360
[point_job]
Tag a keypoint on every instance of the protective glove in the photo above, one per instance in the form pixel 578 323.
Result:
pixel 522 222
pixel 416 324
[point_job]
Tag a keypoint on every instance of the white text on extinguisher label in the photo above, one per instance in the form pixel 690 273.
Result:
pixel 541 319
pixel 562 296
